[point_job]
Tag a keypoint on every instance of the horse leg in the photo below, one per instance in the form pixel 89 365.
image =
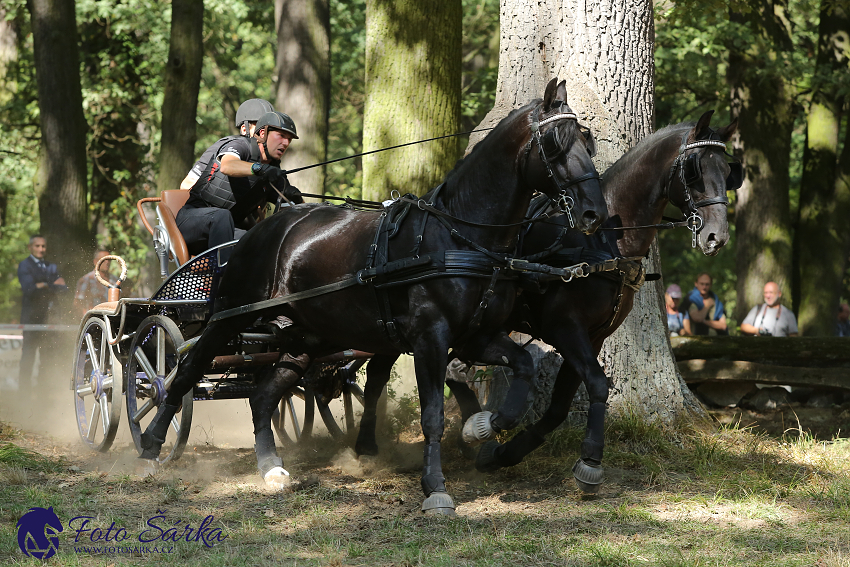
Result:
pixel 214 339
pixel 377 375
pixel 430 360
pixel 588 470
pixel 494 455
pixel 466 398
pixel 272 383
pixel 501 351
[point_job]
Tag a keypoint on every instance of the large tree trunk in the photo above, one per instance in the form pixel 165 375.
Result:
pixel 182 84
pixel 762 104
pixel 413 82
pixel 603 48
pixel 822 238
pixel 61 179
pixel 303 84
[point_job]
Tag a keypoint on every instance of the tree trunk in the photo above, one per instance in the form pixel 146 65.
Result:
pixel 61 178
pixel 413 83
pixel 762 103
pixel 822 238
pixel 604 50
pixel 182 84
pixel 303 84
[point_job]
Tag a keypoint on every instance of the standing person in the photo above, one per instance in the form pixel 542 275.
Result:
pixel 247 115
pixel 675 318
pixel 244 174
pixel 770 318
pixel 842 327
pixel 91 292
pixel 705 311
pixel 40 284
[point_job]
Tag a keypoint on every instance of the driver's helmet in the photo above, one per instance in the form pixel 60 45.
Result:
pixel 252 110
pixel 277 121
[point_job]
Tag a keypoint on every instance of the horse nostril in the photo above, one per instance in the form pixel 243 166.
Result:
pixel 591 218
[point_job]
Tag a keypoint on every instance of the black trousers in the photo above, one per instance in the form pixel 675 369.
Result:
pixel 206 228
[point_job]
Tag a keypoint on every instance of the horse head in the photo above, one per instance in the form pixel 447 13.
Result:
pixel 562 167
pixel 699 179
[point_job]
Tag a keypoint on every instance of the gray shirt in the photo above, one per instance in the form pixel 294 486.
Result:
pixel 779 321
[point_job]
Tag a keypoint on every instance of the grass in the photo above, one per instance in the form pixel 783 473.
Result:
pixel 692 495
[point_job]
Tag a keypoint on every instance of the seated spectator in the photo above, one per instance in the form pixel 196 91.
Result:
pixel 842 328
pixel 770 318
pixel 91 292
pixel 704 312
pixel 675 318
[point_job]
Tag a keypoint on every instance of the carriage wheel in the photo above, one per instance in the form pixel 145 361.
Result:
pixel 352 402
pixel 151 368
pixel 98 386
pixel 293 420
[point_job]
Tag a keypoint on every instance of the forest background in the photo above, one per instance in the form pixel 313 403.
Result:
pixel 123 54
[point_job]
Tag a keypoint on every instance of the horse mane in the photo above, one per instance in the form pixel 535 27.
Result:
pixel 647 144
pixel 568 133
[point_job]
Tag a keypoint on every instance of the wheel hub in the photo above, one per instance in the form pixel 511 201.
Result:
pixel 96 382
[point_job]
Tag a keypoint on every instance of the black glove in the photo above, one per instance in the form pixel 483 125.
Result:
pixel 293 194
pixel 267 172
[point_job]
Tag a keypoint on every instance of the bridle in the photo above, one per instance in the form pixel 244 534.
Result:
pixel 549 147
pixel 690 175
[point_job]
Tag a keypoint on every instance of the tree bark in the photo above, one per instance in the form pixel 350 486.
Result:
pixel 61 179
pixel 413 84
pixel 303 84
pixel 182 84
pixel 761 101
pixel 604 50
pixel 822 239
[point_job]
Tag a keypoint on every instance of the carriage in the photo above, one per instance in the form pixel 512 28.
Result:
pixel 128 350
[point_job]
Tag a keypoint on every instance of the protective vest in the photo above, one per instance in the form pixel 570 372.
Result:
pixel 213 187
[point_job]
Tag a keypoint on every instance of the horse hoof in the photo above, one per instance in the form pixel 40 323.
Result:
pixel 150 467
pixel 477 428
pixel 277 478
pixel 486 459
pixel 369 450
pixel 439 504
pixel 588 477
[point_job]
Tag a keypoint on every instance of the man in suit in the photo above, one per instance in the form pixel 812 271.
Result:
pixel 40 284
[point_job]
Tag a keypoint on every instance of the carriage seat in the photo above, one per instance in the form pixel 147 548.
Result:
pixel 166 210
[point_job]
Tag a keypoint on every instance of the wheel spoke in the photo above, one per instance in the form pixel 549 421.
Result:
pixel 295 425
pixel 145 364
pixel 104 414
pixel 170 378
pixel 95 417
pixel 104 346
pixel 94 356
pixel 175 424
pixel 143 411
pixel 160 351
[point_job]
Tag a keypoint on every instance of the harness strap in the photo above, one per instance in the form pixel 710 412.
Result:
pixel 284 299
pixel 475 322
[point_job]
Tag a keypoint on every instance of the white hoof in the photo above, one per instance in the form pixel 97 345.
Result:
pixel 277 478
pixel 477 428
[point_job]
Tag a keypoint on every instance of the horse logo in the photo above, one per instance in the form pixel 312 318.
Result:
pixel 37 533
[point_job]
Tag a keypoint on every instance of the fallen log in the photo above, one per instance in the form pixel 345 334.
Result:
pixel 786 351
pixel 697 371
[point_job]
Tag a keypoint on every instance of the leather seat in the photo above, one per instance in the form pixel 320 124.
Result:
pixel 172 201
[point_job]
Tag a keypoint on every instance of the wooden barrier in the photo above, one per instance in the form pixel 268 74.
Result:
pixel 818 362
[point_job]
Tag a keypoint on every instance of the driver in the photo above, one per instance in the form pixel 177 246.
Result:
pixel 243 174
pixel 246 121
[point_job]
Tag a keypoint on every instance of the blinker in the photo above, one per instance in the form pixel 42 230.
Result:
pixel 589 141
pixel 550 143
pixel 692 173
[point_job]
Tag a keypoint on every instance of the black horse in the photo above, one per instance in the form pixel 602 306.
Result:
pixel 683 164
pixel 479 208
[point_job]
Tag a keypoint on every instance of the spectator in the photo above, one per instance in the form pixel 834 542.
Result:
pixel 770 319
pixel 40 284
pixel 91 292
pixel 705 314
pixel 675 318
pixel 842 328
